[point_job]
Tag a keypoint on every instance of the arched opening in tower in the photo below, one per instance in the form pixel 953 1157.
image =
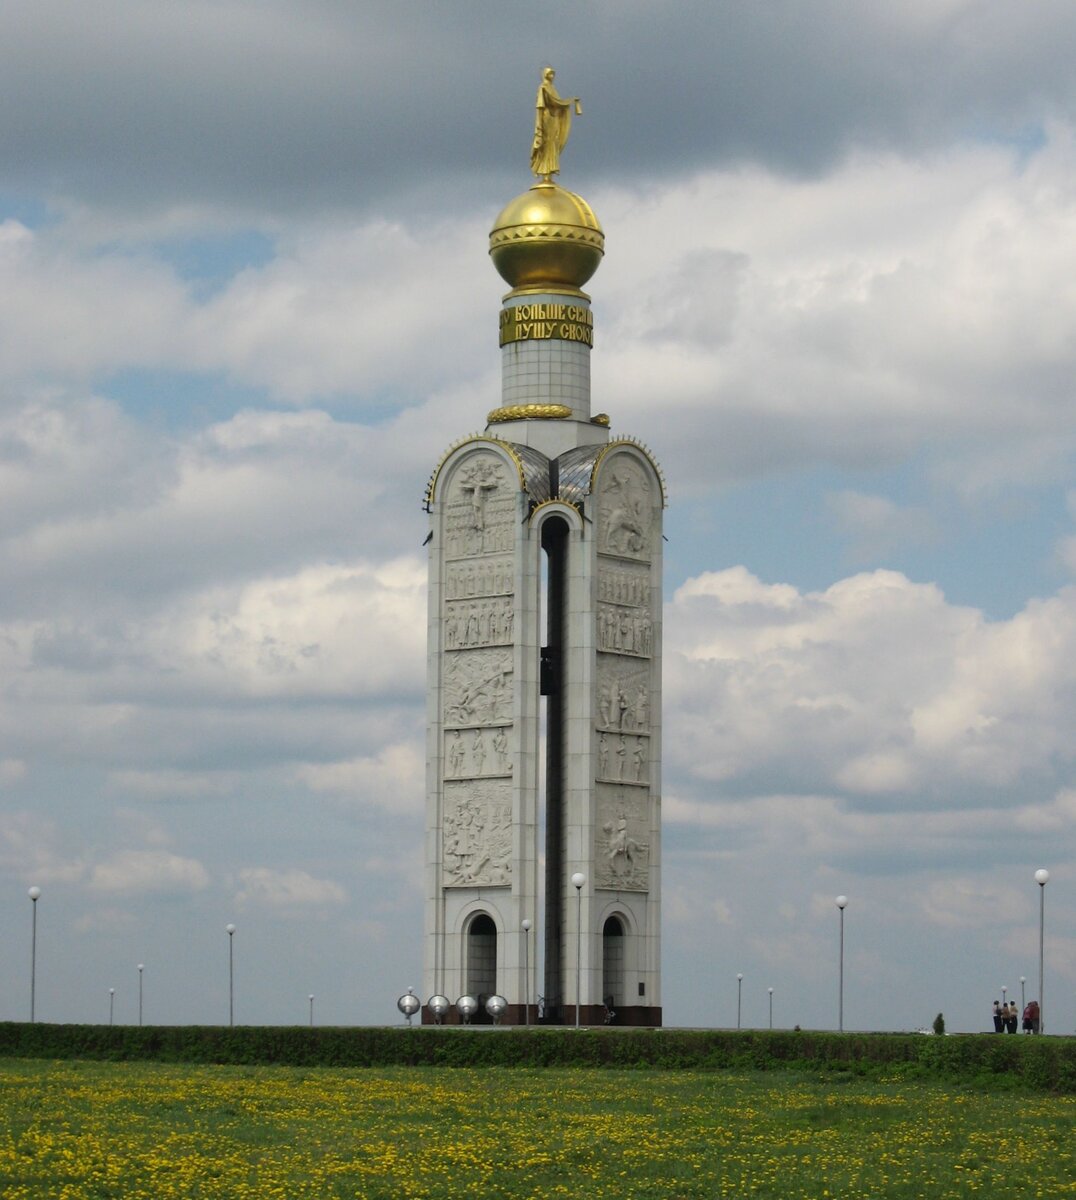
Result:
pixel 553 669
pixel 481 961
pixel 613 965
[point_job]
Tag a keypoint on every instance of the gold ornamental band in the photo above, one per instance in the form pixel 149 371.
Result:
pixel 529 412
pixel 565 322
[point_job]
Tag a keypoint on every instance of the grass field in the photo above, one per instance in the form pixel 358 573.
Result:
pixel 87 1131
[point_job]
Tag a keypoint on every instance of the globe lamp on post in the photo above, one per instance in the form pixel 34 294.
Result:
pixel 1042 876
pixel 526 926
pixel 841 902
pixel 111 1004
pixel 770 990
pixel 230 930
pixel 34 893
pixel 578 879
pixel 141 968
pixel 739 994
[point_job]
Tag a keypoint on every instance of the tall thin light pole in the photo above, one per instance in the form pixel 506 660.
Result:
pixel 1023 998
pixel 578 879
pixel 841 902
pixel 311 999
pixel 33 893
pixel 770 990
pixel 739 993
pixel 141 968
pixel 526 926
pixel 231 975
pixel 1041 877
pixel 111 1004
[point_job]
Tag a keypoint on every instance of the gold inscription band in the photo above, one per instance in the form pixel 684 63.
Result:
pixel 566 322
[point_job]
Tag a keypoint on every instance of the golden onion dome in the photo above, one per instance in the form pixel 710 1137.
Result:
pixel 548 238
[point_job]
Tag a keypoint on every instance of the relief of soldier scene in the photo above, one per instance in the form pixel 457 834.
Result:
pixel 470 753
pixel 623 631
pixel 478 623
pixel 480 509
pixel 624 585
pixel 478 688
pixel 622 758
pixel 623 696
pixel 486 577
pixel 625 509
pixel 622 851
pixel 477 835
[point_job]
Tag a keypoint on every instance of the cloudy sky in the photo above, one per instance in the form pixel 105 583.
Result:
pixel 245 303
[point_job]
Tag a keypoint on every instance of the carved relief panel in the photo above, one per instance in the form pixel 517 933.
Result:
pixel 477 834
pixel 623 695
pixel 625 509
pixel 480 508
pixel 485 577
pixel 478 688
pixel 621 839
pixel 473 753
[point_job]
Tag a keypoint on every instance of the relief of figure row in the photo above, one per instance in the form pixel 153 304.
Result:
pixel 478 843
pixel 462 540
pixel 618 710
pixel 624 587
pixel 471 761
pixel 624 632
pixel 479 579
pixel 478 624
pixel 624 763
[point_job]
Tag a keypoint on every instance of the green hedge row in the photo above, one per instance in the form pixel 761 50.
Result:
pixel 1039 1062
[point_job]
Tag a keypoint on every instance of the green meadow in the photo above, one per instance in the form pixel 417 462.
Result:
pixel 78 1130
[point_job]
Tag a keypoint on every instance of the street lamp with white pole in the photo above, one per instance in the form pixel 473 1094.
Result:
pixel 841 902
pixel 141 968
pixel 526 927
pixel 231 974
pixel 33 893
pixel 578 879
pixel 1041 878
pixel 311 999
pixel 770 990
pixel 111 1003
pixel 1023 998
pixel 739 993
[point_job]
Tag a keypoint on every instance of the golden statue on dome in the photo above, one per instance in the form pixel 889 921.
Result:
pixel 552 124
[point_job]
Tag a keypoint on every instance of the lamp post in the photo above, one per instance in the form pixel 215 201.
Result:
pixel 526 927
pixel 311 999
pixel 1023 998
pixel 1004 1000
pixel 111 1004
pixel 739 993
pixel 1041 877
pixel 141 968
pixel 770 990
pixel 231 974
pixel 33 893
pixel 841 902
pixel 578 879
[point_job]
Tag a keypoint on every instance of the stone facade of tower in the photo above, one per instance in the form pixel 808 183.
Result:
pixel 544 667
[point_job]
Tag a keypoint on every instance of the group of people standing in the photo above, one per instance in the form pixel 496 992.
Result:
pixel 1007 1016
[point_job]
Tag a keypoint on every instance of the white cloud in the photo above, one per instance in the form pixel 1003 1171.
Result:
pixel 286 888
pixel 133 872
pixel 874 686
pixel 393 780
